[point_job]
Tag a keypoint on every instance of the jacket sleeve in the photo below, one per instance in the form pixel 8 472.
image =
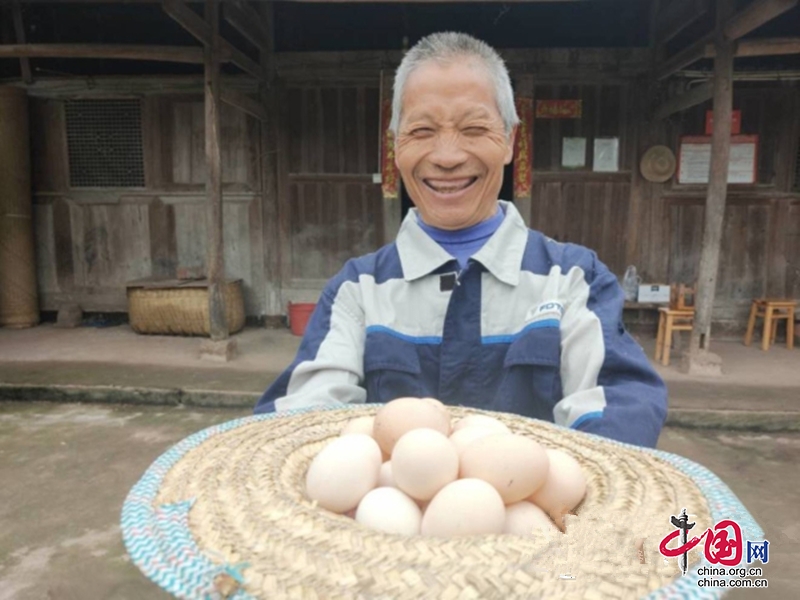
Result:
pixel 329 363
pixel 609 386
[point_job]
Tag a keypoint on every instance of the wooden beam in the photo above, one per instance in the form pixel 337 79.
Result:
pixel 426 1
pixel 684 58
pixel 693 97
pixel 246 21
pixel 754 15
pixel 768 47
pixel 698 357
pixel 215 267
pixel 180 54
pixel 188 19
pixel 230 53
pixel 676 16
pixel 194 24
pixel 244 103
pixel 19 30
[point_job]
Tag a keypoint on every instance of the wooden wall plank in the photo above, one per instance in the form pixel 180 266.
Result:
pixel 47 278
pixel 792 251
pixel 371 131
pixel 361 130
pixel 182 142
pixel 131 229
pixel 331 141
pixel 758 219
pixel 351 117
pixel 775 265
pixel 163 244
pixel 48 146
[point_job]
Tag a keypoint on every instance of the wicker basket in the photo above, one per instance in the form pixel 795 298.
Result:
pixel 223 514
pixel 180 307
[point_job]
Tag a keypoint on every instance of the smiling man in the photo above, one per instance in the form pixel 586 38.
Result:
pixel 468 305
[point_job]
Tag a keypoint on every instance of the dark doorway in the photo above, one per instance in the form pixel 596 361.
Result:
pixel 506 190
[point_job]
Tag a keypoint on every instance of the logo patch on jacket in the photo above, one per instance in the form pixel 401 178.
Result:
pixel 546 314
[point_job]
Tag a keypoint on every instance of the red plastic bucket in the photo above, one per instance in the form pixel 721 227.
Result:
pixel 299 314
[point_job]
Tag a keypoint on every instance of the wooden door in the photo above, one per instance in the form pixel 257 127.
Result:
pixel 330 207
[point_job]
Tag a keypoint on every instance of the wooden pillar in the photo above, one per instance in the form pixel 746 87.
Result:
pixel 717 190
pixel 216 259
pixel 269 167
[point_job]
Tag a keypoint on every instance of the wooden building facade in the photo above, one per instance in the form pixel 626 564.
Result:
pixel 284 241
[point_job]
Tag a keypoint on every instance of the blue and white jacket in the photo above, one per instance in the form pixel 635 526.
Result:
pixel 531 326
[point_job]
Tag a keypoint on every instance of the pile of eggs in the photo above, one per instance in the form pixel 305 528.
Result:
pixel 410 470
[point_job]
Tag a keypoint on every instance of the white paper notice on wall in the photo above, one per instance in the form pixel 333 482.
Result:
pixel 606 155
pixel 573 152
pixel 695 159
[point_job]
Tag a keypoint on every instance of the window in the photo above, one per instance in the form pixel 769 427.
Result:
pixel 104 143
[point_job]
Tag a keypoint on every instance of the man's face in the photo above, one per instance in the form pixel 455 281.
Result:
pixel 451 143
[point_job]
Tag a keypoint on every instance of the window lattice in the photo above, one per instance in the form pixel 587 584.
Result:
pixel 104 141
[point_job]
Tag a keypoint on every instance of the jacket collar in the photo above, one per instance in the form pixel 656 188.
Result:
pixel 501 255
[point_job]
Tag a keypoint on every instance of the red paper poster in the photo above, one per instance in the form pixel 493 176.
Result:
pixel 390 178
pixel 736 122
pixel 559 109
pixel 522 149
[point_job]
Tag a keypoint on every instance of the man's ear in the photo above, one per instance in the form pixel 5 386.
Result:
pixel 510 147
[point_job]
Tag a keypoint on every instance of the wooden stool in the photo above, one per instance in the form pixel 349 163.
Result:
pixel 679 316
pixel 670 320
pixel 771 310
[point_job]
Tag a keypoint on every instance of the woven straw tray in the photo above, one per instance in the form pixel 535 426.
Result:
pixel 223 515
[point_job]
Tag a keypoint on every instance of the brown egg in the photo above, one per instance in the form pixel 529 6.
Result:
pixel 464 507
pixel 423 462
pixel 484 421
pixel 360 425
pixel 564 487
pixel 402 415
pixel 515 465
pixel 441 406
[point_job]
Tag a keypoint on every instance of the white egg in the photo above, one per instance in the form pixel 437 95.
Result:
pixel 564 487
pixel 342 473
pixel 390 510
pixel 481 421
pixel 465 436
pixel 464 507
pixel 515 465
pixel 423 462
pixel 385 476
pixel 525 518
pixel 359 425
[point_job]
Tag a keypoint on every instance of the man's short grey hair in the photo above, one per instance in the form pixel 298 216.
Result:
pixel 447 46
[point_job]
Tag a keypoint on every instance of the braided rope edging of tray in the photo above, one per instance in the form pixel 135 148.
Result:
pixel 160 543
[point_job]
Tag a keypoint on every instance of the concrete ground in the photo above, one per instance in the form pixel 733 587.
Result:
pixel 759 390
pixel 67 468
